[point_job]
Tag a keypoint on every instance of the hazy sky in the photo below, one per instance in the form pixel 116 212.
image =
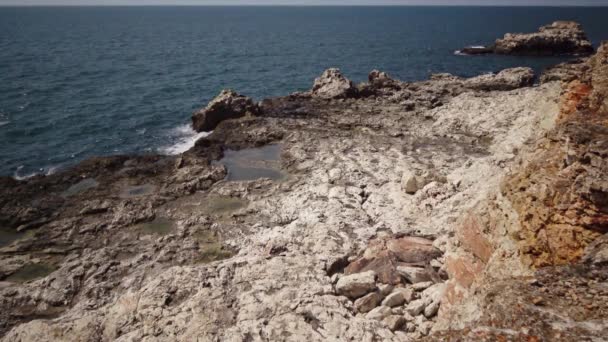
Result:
pixel 309 2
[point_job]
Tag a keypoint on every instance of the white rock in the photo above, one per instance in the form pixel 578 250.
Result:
pixel 416 307
pixel 356 285
pixel 409 182
pixel 379 313
pixel 394 322
pixel 431 310
pixel 422 286
pixel 394 299
pixel 434 293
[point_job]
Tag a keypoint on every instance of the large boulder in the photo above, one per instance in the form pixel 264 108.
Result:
pixel 561 37
pixel 332 84
pixel 507 79
pixel 227 105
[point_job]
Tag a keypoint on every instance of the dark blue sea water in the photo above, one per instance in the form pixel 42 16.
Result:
pixel 79 82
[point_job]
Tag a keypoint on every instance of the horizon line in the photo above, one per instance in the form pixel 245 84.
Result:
pixel 293 5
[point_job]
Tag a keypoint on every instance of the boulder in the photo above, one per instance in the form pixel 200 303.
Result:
pixel 507 79
pixel 414 274
pixel 368 302
pixel 332 84
pixel 559 38
pixel 394 299
pixel 394 322
pixel 356 285
pixel 227 105
pixel 380 79
pixel 416 307
pixel 379 313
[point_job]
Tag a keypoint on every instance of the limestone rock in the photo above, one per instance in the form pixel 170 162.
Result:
pixel 367 302
pixel 394 322
pixel 422 286
pixel 332 84
pixel 394 299
pixel 227 105
pixel 409 182
pixel 558 38
pixel 507 79
pixel 356 285
pixel 379 313
pixel 416 307
pixel 432 309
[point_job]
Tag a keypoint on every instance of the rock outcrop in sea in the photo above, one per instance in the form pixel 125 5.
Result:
pixel 558 38
pixel 447 209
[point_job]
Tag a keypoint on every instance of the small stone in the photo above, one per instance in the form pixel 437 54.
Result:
pixel 422 286
pixel 397 311
pixel 432 309
pixel 356 285
pixel 436 263
pixel 394 299
pixel 367 302
pixel 537 301
pixel 415 308
pixel 409 182
pixel 394 322
pixel 378 313
pixel 425 328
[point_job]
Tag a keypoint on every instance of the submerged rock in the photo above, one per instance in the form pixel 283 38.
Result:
pixel 561 37
pixel 227 105
pixel 332 84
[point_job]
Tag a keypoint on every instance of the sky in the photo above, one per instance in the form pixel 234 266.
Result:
pixel 309 2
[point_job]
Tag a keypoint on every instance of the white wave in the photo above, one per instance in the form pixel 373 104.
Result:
pixel 2 123
pixel 47 171
pixel 184 138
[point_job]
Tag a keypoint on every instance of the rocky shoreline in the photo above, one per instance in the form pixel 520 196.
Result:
pixel 448 209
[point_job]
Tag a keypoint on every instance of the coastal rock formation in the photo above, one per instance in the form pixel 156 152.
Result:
pixel 540 241
pixel 227 105
pixel 507 79
pixel 340 248
pixel 560 37
pixel 332 84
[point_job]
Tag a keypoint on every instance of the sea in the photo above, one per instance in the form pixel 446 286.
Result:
pixel 77 82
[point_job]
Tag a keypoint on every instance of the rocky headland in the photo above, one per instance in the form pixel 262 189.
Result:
pixel 462 209
pixel 557 38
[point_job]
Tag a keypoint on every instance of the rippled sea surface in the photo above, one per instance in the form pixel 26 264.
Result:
pixel 80 82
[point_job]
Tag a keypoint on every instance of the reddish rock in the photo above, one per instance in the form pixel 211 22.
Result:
pixel 472 238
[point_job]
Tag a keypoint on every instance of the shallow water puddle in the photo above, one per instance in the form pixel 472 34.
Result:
pixel 31 272
pixel 253 163
pixel 160 226
pixel 202 204
pixel 210 247
pixel 80 187
pixel 7 236
pixel 137 190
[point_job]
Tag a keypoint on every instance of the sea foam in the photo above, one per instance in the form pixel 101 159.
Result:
pixel 184 138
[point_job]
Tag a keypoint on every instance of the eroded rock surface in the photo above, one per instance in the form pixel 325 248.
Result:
pixel 227 105
pixel 270 259
pixel 560 37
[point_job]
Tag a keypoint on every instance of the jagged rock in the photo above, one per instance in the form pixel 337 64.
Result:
pixel 379 313
pixel 597 252
pixel 380 79
pixel 227 105
pixel 416 307
pixel 394 299
pixel 561 37
pixel 332 84
pixel 383 255
pixel 414 274
pixel 425 328
pixel 385 289
pixel 507 79
pixel 394 322
pixel 367 302
pixel 564 72
pixel 356 285
pixel 408 293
